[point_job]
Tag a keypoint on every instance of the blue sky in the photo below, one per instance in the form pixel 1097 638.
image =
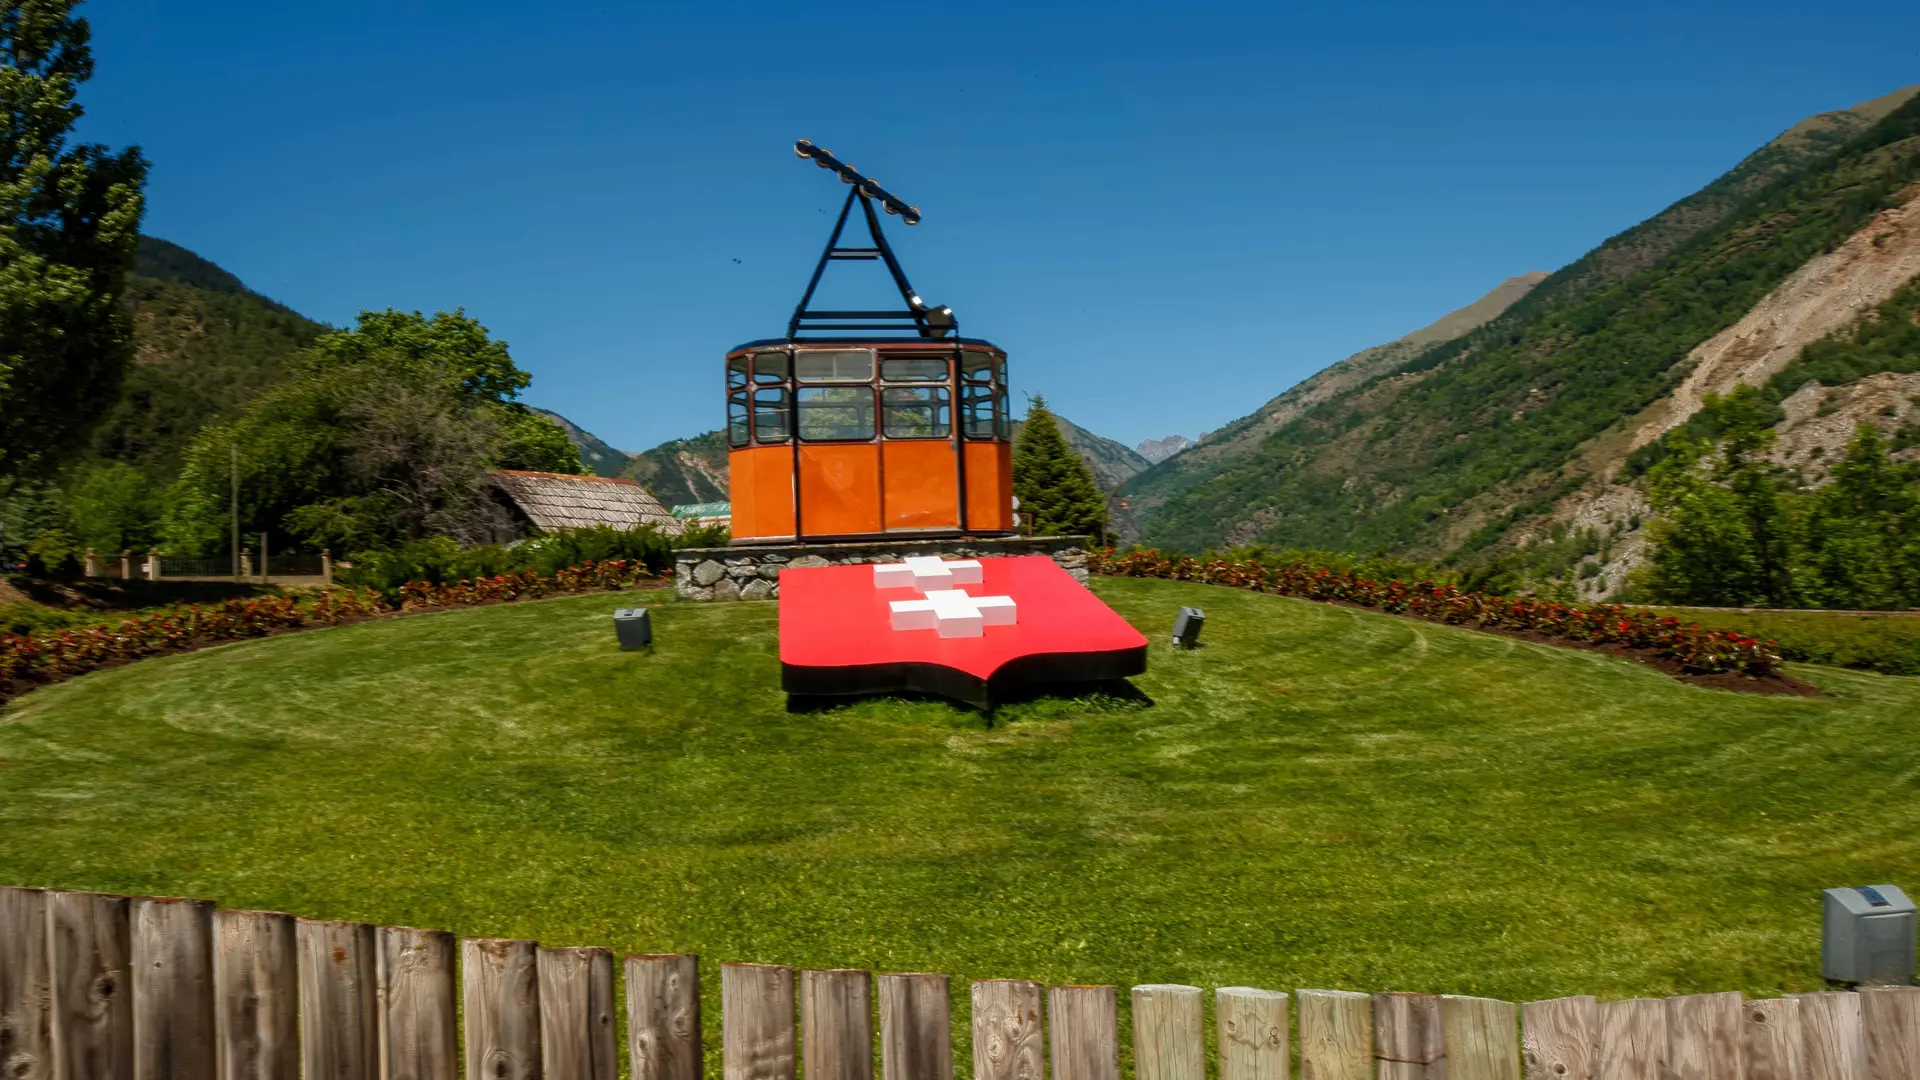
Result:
pixel 1166 215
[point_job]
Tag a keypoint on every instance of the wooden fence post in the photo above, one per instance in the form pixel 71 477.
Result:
pixel 1007 1036
pixel 1407 1039
pixel 172 989
pixel 339 1000
pixel 500 992
pixel 1169 1041
pixel 1253 1032
pixel 836 1024
pixel 418 1036
pixel 577 1037
pixel 1083 1032
pixel 256 996
pixel 1560 1038
pixel 1480 1038
pixel 1770 1039
pixel 1703 1036
pixel 1336 1034
pixel 663 1017
pixel 1890 1025
pixel 1831 1044
pixel 26 1016
pixel 756 1021
pixel 1633 1039
pixel 916 1027
pixel 90 948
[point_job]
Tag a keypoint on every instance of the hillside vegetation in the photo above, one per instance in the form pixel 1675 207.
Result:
pixel 1319 797
pixel 204 346
pixel 1456 446
pixel 682 471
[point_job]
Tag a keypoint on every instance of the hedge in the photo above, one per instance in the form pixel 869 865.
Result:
pixel 1695 648
pixel 28 661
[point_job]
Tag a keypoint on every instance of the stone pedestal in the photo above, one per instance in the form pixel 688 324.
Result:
pixel 752 571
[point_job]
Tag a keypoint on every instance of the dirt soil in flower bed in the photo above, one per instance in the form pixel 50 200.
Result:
pixel 1777 683
pixel 17 691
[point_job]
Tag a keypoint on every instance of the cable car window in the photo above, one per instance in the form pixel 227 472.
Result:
pixel 770 367
pixel 976 366
pixel 1000 408
pixel 913 368
pixel 977 407
pixel 770 412
pixel 835 412
pixel 737 419
pixel 917 412
pixel 736 372
pixel 834 365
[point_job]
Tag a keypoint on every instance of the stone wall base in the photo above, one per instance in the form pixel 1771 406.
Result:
pixel 753 572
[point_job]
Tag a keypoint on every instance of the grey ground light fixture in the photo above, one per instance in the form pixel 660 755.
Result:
pixel 634 627
pixel 1867 935
pixel 1186 627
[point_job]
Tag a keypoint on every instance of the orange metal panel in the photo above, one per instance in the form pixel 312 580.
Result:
pixel 922 488
pixel 989 487
pixel 839 489
pixel 760 483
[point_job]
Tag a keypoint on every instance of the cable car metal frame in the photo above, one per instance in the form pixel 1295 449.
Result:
pixel 914 455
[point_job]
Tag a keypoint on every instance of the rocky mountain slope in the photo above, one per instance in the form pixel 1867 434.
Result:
pixel 1159 450
pixel 1511 437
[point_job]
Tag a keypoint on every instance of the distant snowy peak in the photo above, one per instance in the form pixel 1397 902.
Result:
pixel 1159 450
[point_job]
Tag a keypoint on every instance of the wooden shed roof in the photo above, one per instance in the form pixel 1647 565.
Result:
pixel 564 501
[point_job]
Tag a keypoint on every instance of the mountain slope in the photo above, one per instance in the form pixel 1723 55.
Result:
pixel 204 344
pixel 683 471
pixel 1113 463
pixel 1159 450
pixel 1458 444
pixel 1236 443
pixel 599 458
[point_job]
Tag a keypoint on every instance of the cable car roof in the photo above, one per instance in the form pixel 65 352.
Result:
pixel 937 344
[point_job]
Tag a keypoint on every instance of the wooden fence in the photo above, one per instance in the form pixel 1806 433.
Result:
pixel 97 987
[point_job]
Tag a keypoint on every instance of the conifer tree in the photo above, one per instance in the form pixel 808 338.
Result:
pixel 1056 490
pixel 69 224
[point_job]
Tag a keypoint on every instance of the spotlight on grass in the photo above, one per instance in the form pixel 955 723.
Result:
pixel 1867 935
pixel 1186 627
pixel 634 628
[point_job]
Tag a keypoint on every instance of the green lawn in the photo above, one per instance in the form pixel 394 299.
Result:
pixel 1320 797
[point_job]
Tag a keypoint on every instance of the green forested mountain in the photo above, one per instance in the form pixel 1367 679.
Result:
pixel 684 471
pixel 205 344
pixel 599 458
pixel 1454 444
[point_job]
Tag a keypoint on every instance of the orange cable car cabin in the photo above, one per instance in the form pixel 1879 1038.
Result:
pixel 866 425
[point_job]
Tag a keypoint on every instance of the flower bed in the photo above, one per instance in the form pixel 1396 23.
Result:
pixel 28 661
pixel 1693 647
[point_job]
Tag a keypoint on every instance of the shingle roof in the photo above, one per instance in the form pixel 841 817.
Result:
pixel 562 501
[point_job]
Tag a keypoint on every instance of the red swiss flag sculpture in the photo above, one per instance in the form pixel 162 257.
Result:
pixel 965 629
